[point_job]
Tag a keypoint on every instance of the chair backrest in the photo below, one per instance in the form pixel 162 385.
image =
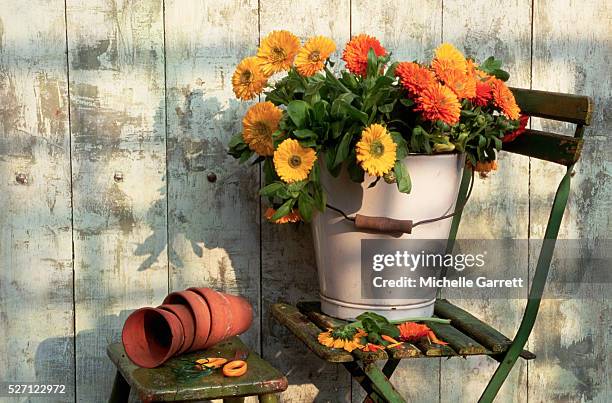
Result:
pixel 564 150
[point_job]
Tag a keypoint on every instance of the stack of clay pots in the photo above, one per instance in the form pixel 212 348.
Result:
pixel 189 320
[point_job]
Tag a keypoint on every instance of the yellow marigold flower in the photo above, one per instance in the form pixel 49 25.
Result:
pixel 292 161
pixel 376 150
pixel 504 99
pixel 447 57
pixel 294 216
pixel 248 80
pixel 346 338
pixel 311 57
pixel 259 123
pixel 462 84
pixel 438 102
pixel 277 51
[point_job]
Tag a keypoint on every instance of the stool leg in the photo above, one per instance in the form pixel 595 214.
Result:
pixel 121 390
pixel 268 398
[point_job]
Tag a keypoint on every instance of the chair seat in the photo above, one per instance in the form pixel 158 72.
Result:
pixel 175 380
pixel 466 335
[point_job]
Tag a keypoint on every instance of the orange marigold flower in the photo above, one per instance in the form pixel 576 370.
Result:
pixel 438 102
pixel 294 216
pixel 414 77
pixel 412 331
pixel 504 99
pixel 483 94
pixel 484 167
pixel 356 53
pixel 462 84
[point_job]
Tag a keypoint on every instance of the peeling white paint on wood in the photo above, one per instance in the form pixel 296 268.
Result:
pixel 572 49
pixel 36 309
pixel 213 225
pixel 117 108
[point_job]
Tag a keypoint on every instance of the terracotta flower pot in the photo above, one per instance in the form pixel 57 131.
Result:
pixel 200 312
pixel 183 313
pixel 151 336
pixel 230 314
pixel 242 313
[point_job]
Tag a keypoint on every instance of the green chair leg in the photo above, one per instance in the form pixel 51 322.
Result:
pixel 121 390
pixel 535 293
pixel 268 398
pixel 382 384
pixel 388 370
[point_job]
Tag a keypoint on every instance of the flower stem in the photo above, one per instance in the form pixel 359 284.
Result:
pixel 335 79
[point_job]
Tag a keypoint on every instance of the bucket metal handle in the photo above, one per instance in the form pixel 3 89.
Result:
pixel 393 226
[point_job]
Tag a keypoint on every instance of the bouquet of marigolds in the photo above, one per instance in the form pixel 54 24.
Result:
pixel 366 118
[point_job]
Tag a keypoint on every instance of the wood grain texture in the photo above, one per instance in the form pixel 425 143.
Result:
pixel 117 108
pixel 572 49
pixel 288 264
pixel 410 30
pixel 36 305
pixel 213 226
pixel 501 29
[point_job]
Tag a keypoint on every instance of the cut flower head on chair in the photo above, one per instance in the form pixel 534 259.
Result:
pixel 364 119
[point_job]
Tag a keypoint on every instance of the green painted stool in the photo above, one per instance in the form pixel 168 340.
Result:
pixel 177 380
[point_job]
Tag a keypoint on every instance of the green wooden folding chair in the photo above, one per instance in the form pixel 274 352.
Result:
pixel 466 334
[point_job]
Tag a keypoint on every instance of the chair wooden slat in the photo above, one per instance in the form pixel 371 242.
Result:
pixel 556 106
pixel 564 150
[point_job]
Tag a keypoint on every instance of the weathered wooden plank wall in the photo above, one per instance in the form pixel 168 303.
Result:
pixel 36 301
pixel 116 140
pixel 117 104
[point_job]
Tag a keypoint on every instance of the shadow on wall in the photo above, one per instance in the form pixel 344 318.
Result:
pixel 50 367
pixel 211 201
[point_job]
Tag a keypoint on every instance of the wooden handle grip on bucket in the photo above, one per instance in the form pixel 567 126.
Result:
pixel 383 224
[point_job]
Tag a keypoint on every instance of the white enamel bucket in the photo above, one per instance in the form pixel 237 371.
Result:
pixel 435 185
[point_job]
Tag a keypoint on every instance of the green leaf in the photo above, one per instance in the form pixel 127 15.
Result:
pixel 320 111
pixel 271 189
pixel 404 184
pixel 490 65
pixel 390 330
pixel 320 197
pixel 355 171
pixel 236 141
pixel 501 74
pixel 372 69
pixel 305 205
pixel 304 134
pixel 402 145
pixel 283 210
pixel 297 111
pixel 407 102
pixel 391 70
pixel 246 154
pixel 343 149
